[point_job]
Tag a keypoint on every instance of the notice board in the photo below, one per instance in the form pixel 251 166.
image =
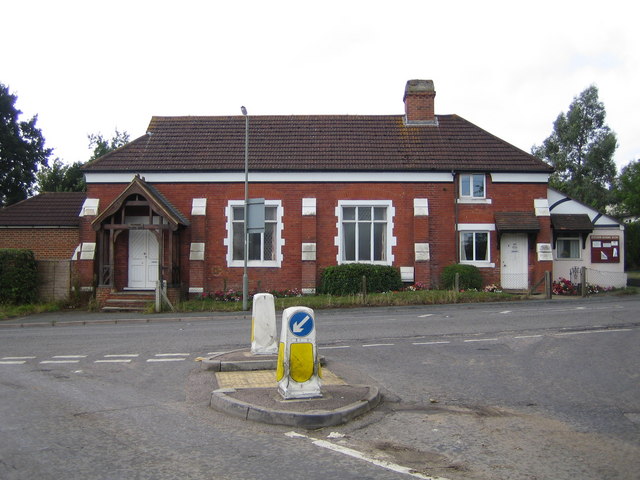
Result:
pixel 605 249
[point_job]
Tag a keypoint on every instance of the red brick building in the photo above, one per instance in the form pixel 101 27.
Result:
pixel 417 191
pixel 47 223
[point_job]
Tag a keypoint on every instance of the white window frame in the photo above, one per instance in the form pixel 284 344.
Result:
pixel 390 239
pixel 476 228
pixel 469 197
pixel 565 237
pixel 277 263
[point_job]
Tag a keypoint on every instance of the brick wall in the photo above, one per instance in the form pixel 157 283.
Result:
pixel 46 243
pixel 438 229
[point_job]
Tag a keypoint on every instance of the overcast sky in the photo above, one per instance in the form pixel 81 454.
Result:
pixel 509 67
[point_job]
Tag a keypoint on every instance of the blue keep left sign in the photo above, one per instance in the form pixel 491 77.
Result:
pixel 301 324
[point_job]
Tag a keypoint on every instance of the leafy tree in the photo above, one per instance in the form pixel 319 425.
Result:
pixel 62 178
pixel 22 151
pixel 581 150
pixel 69 178
pixel 628 190
pixel 101 146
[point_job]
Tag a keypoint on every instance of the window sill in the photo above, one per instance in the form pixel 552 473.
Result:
pixel 479 264
pixel 240 264
pixel 474 201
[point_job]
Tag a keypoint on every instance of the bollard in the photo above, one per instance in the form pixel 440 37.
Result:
pixel 264 339
pixel 298 369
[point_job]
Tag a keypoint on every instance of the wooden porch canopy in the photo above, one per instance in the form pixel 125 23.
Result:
pixel 139 199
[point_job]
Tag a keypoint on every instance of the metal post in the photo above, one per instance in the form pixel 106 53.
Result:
pixel 245 276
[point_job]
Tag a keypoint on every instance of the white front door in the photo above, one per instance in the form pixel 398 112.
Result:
pixel 514 274
pixel 143 259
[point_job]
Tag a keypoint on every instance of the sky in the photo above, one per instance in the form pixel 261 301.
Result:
pixel 92 66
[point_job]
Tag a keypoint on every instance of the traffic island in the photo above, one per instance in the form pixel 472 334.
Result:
pixel 250 393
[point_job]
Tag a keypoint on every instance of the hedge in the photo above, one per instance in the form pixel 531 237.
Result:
pixel 469 277
pixel 347 279
pixel 18 276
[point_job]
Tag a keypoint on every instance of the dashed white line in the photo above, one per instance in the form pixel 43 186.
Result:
pixel 379 345
pixel 593 331
pixel 114 360
pixel 151 360
pixel 425 315
pixel 69 356
pixel 506 311
pixel 337 347
pixel 172 354
pixel 60 361
pixel 529 336
pixel 430 343
pixel 481 340
pixel 12 362
pixel 123 355
pixel 18 358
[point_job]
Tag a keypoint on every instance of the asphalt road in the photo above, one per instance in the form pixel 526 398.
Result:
pixel 527 390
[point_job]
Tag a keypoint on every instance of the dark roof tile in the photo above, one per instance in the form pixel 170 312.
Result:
pixel 52 209
pixel 316 143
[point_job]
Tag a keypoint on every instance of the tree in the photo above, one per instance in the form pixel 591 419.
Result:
pixel 22 151
pixel 69 178
pixel 101 146
pixel 628 190
pixel 61 178
pixel 581 150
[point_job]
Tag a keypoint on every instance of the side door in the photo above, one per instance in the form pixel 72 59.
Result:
pixel 514 258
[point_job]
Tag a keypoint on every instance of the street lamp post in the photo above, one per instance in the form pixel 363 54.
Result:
pixel 245 276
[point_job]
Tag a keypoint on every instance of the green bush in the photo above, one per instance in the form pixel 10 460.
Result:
pixel 347 279
pixel 469 277
pixel 18 276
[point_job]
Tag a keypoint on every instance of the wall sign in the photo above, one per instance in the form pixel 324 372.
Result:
pixel 605 249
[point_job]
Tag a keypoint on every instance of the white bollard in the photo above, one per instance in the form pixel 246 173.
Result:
pixel 298 369
pixel 264 332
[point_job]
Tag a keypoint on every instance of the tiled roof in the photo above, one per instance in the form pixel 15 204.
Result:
pixel 516 222
pixel 59 209
pixel 316 143
pixel 571 222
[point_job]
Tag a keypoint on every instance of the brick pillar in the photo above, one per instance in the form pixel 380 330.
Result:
pixel 197 247
pixel 422 255
pixel 309 245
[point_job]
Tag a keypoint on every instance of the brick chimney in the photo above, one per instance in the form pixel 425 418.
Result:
pixel 419 98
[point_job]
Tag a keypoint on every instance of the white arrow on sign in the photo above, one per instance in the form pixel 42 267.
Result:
pixel 297 326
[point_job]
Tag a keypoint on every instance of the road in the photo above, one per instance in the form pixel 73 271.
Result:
pixel 525 390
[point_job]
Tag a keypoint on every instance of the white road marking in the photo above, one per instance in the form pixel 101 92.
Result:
pixel 18 358
pixel 69 356
pixel 430 343
pixel 165 360
pixel 506 311
pixel 425 315
pixel 12 362
pixel 481 340
pixel 379 345
pixel 124 355
pixel 172 354
pixel 529 336
pixel 335 347
pixel 114 360
pixel 593 331
pixel 60 361
pixel 394 467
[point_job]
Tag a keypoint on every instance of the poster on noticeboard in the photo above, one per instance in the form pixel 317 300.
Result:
pixel 605 249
